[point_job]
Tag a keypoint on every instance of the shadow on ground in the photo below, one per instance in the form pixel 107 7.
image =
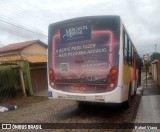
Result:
pixel 102 113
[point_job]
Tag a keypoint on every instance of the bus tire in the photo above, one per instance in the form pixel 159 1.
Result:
pixel 135 91
pixel 128 102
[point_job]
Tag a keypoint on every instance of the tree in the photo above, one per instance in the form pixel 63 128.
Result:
pixel 155 56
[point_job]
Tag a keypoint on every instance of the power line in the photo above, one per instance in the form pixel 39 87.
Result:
pixel 17 26
pixel 12 8
pixel 15 32
pixel 19 7
pixel 10 25
pixel 21 32
pixel 15 9
pixel 12 21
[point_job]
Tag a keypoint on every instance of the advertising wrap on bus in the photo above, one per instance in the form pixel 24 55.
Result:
pixel 84 57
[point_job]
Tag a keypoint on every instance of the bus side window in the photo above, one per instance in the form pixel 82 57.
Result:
pixel 130 52
pixel 132 55
pixel 125 48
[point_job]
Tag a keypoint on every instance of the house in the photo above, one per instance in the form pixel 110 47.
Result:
pixel 154 68
pixel 29 61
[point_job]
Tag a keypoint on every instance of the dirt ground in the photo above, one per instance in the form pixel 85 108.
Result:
pixel 23 101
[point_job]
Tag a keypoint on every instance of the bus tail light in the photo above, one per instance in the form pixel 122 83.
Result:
pixel 51 77
pixel 112 79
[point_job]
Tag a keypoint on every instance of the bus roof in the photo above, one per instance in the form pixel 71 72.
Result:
pixel 113 17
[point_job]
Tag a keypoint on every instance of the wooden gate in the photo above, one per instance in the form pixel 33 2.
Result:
pixel 39 80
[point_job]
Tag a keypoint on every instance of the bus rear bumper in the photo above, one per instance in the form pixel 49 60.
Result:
pixel 108 97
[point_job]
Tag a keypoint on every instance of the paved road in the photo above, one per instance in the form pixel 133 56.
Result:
pixel 144 109
pixel 65 111
pixel 149 109
pixel 69 111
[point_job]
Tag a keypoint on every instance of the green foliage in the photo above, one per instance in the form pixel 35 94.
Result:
pixel 8 79
pixel 27 78
pixel 9 82
pixel 28 92
pixel 147 64
pixel 154 56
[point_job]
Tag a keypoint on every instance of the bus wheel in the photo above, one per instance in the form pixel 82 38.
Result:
pixel 128 102
pixel 135 91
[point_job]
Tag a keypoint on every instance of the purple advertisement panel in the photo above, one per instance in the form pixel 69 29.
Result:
pixel 82 56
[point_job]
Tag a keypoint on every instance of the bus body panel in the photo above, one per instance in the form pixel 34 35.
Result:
pixel 129 74
pixel 81 54
pixel 75 75
pixel 111 97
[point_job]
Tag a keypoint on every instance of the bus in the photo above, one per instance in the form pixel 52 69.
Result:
pixel 92 59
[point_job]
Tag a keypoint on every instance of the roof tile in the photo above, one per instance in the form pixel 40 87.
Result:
pixel 30 58
pixel 18 46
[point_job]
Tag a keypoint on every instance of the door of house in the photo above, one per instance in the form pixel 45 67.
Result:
pixel 39 80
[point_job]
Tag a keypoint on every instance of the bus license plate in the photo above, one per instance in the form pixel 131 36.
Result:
pixel 78 89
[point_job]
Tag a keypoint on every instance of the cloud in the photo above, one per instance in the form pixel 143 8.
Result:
pixel 141 17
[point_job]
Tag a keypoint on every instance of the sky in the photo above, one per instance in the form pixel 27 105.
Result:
pixel 22 20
